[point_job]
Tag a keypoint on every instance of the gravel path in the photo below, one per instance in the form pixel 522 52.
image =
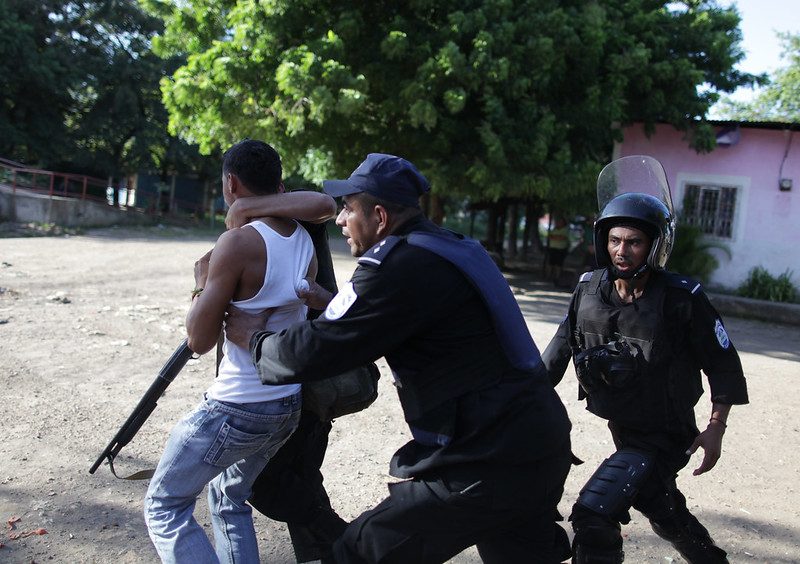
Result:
pixel 86 322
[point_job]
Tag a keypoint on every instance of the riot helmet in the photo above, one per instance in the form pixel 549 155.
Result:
pixel 633 192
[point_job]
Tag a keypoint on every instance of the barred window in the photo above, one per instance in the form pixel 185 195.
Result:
pixel 711 208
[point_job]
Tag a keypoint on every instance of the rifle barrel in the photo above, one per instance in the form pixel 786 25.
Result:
pixel 146 405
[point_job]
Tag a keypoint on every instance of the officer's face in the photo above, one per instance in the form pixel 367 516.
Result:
pixel 359 225
pixel 628 248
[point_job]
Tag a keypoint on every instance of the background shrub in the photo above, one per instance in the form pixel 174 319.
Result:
pixel 690 254
pixel 761 285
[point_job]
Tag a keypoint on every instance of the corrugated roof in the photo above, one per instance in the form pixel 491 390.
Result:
pixel 756 124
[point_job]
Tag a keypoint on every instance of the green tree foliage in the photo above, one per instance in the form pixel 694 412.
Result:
pixel 81 88
pixel 118 120
pixel 489 98
pixel 36 74
pixel 779 100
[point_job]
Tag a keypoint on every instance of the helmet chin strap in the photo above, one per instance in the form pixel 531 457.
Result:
pixel 629 278
pixel 629 275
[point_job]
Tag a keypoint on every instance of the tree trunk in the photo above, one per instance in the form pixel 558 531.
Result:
pixel 172 206
pixel 472 213
pixel 436 209
pixel 491 228
pixel 513 223
pixel 532 240
pixel 502 213
pixel 208 202
pixel 526 232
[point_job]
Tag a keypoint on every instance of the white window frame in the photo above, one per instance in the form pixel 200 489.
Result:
pixel 740 183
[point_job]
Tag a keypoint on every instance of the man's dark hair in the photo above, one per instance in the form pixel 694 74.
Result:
pixel 370 201
pixel 256 164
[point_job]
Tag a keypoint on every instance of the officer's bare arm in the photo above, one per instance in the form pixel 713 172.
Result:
pixel 711 439
pixel 313 207
pixel 719 414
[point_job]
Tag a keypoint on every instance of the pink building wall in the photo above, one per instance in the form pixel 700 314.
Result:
pixel 766 226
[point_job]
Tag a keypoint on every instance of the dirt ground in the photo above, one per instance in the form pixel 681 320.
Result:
pixel 87 321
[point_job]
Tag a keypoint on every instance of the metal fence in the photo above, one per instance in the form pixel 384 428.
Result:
pixel 83 187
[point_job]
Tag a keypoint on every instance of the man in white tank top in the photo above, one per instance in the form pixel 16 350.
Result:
pixel 231 435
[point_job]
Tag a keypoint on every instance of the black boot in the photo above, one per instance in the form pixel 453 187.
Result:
pixel 693 543
pixel 313 539
pixel 582 555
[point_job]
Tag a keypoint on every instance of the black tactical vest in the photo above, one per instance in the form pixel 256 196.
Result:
pixel 427 395
pixel 635 367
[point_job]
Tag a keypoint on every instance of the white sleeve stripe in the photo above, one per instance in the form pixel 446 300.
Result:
pixel 695 288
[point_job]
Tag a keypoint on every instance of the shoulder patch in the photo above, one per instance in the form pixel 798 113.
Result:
pixel 683 282
pixel 376 254
pixel 341 302
pixel 722 335
pixel 586 276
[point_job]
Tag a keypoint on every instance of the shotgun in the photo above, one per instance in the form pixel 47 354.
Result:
pixel 143 410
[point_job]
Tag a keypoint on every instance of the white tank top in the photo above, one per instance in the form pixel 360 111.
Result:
pixel 288 259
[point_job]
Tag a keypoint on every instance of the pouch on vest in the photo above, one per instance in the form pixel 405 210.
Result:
pixel 350 392
pixel 611 364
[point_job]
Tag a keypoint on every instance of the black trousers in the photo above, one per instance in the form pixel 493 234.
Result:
pixel 290 489
pixel 658 499
pixel 509 513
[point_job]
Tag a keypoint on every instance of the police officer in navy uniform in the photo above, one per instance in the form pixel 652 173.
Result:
pixel 639 337
pixel 290 487
pixel 490 450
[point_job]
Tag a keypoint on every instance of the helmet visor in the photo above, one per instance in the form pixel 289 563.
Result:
pixel 637 173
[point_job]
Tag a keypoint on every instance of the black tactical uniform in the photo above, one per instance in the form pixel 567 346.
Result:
pixel 638 362
pixel 290 487
pixel 642 373
pixel 491 443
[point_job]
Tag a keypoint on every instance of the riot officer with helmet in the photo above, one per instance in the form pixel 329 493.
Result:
pixel 639 337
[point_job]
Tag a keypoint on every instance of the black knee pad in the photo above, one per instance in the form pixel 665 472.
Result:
pixel 614 484
pixel 594 532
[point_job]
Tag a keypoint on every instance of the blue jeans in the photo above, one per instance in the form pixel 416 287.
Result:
pixel 224 445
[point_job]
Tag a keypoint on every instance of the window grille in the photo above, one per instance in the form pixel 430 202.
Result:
pixel 711 208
